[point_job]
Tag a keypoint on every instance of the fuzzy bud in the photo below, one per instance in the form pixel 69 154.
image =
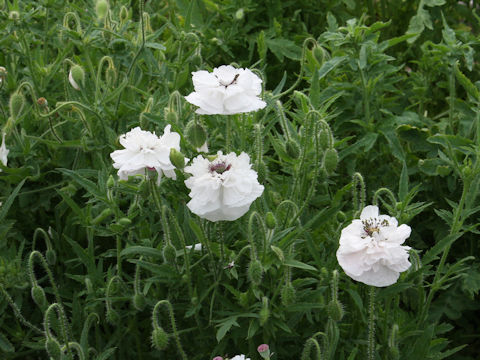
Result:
pixel 324 139
pixel 159 338
pixel 139 301
pixel 171 116
pixel 335 310
pixel 111 76
pixel 239 14
pixel 270 220
pixel 101 9
pixel 53 348
pixel 112 316
pixel 110 182
pixel 123 14
pixel 16 103
pixel 125 221
pixel 262 172
pixel 278 252
pixel 169 254
pixel 51 256
pixel 102 216
pixel 341 217
pixel 330 160
pixel 292 148
pixel 255 272
pixel 264 312
pixel 195 134
pixel 287 294
pixel 38 295
pixel 42 102
pixel 14 15
pixel 76 77
pixel 319 54
pixel 177 158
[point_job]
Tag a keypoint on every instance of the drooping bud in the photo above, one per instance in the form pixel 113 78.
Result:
pixel 287 294
pixel 255 272
pixel 123 14
pixel 195 134
pixel 42 102
pixel 16 104
pixel 278 252
pixel 292 149
pixel 335 310
pixel 324 139
pixel 76 77
pixel 111 75
pixel 270 220
pixel 139 301
pixel 169 254
pixel 177 158
pixel 53 348
pixel 110 182
pixel 170 116
pixel 101 8
pixel 51 256
pixel 14 15
pixel 330 160
pixel 319 54
pixel 159 338
pixel 38 295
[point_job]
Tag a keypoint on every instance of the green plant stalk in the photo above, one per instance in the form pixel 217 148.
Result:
pixel 366 97
pixel 119 257
pixel 371 324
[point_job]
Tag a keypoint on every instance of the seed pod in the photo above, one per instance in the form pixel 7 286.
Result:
pixel 335 310
pixel 139 301
pixel 177 158
pixel 195 134
pixel 255 272
pixel 159 338
pixel 101 9
pixel 330 160
pixel 292 149
pixel 270 220
pixel 169 254
pixel 287 294
pixel 17 102
pixel 53 348
pixel 38 296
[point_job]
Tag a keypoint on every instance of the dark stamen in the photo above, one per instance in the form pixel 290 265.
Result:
pixel 220 167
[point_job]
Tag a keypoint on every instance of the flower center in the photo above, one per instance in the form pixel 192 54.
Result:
pixel 371 226
pixel 219 167
pixel 226 83
pixel 146 149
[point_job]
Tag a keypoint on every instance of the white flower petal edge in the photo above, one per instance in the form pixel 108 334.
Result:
pixel 226 91
pixel 371 248
pixel 239 357
pixel 224 188
pixel 4 152
pixel 145 150
pixel 72 81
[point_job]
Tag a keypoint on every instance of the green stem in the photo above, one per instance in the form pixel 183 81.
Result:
pixel 119 259
pixel 371 324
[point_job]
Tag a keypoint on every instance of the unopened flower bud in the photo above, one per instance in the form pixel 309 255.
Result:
pixel 139 301
pixel 102 216
pixel 255 272
pixel 112 316
pixel 270 220
pixel 292 149
pixel 264 351
pixel 262 172
pixel 287 294
pixel 177 158
pixel 195 134
pixel 324 139
pixel 51 256
pixel 278 252
pixel 16 104
pixel 243 299
pixel 330 160
pixel 169 254
pixel 101 9
pixel 123 14
pixel 14 15
pixel 319 54
pixel 217 358
pixel 111 76
pixel 159 338
pixel 76 77
pixel 171 116
pixel 239 14
pixel 110 182
pixel 335 310
pixel 125 221
pixel 341 217
pixel 42 102
pixel 38 295
pixel 53 348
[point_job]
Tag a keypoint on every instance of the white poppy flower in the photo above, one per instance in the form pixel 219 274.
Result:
pixel 224 188
pixel 371 248
pixel 4 152
pixel 226 91
pixel 240 357
pixel 144 150
pixel 196 247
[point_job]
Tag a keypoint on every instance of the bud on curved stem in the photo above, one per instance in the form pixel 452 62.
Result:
pixel 358 193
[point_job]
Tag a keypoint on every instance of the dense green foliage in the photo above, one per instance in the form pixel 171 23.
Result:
pixel 374 102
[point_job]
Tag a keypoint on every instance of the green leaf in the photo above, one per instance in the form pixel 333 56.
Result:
pixel 299 265
pixel 469 87
pixel 142 250
pixel 330 65
pixel 225 327
pixel 403 183
pixel 439 247
pixel 284 48
pixel 5 345
pixel 88 185
pixel 6 205
pixel 432 3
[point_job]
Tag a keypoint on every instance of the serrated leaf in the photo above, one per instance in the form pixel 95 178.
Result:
pixel 284 48
pixel 5 345
pixel 439 247
pixel 225 327
pixel 330 65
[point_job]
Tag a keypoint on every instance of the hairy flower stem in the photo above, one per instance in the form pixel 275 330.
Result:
pixel 156 324
pixel 227 134
pixel 371 324
pixel 119 257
